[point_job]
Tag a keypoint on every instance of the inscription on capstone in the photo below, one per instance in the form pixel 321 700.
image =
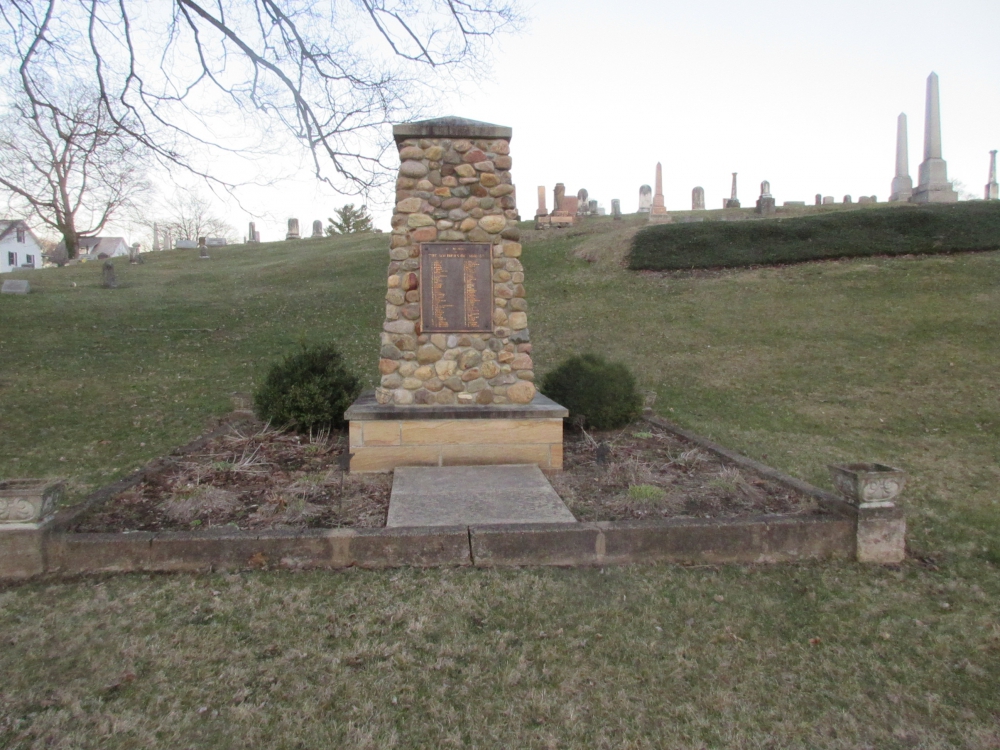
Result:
pixel 456 287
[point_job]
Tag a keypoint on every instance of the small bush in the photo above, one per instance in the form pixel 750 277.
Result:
pixel 309 390
pixel 602 394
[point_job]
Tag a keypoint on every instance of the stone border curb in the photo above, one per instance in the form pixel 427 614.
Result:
pixel 840 531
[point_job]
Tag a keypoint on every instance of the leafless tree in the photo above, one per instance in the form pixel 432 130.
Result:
pixel 330 73
pixel 69 165
pixel 189 216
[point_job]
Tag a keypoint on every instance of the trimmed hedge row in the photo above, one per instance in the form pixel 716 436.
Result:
pixel 899 230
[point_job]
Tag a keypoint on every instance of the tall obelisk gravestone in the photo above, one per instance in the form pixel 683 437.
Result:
pixel 934 186
pixel 902 184
pixel 457 377
pixel 992 191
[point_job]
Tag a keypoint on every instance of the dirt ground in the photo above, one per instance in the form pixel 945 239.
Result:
pixel 255 477
pixel 644 472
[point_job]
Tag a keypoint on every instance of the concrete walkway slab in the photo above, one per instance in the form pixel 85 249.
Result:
pixel 470 495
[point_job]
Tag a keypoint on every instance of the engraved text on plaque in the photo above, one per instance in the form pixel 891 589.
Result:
pixel 456 287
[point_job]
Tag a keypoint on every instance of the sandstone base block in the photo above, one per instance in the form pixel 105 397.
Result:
pixel 881 535
pixel 386 436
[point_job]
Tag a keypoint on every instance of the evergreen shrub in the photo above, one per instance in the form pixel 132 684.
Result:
pixel 308 390
pixel 600 394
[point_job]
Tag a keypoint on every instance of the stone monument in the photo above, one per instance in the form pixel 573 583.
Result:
pixel 658 212
pixel 293 229
pixel 933 186
pixel 558 195
pixel 15 286
pixel 252 237
pixel 457 376
pixel 582 202
pixel 317 229
pixel 828 200
pixel 902 184
pixel 541 210
pixel 645 199
pixel 592 207
pixel 732 201
pixel 992 192
pixel 616 209
pixel 847 199
pixel 156 238
pixel 108 280
pixel 698 199
pixel 819 199
pixel 564 209
pixel 765 203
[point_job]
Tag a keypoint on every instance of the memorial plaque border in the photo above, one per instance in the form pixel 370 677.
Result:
pixel 426 287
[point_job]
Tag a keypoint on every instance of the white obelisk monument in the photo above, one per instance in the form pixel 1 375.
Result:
pixel 902 183
pixel 934 186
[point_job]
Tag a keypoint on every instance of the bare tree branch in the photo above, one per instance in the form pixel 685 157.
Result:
pixel 330 74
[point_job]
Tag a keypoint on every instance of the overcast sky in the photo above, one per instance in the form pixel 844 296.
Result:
pixel 803 94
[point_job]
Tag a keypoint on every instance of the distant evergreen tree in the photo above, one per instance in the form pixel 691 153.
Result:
pixel 351 221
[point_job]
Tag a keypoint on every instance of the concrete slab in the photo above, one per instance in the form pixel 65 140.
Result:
pixel 470 495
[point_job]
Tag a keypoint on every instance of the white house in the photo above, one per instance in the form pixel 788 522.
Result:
pixel 97 248
pixel 19 247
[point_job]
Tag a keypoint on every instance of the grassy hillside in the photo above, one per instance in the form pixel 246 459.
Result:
pixel 88 374
pixel 880 359
pixel 897 230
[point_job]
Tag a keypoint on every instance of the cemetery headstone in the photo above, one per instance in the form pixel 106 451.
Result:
pixel 592 207
pixel 133 254
pixel 902 184
pixel 992 192
pixel 733 201
pixel 616 209
pixel 658 211
pixel 15 286
pixel 934 186
pixel 582 201
pixel 156 238
pixel 558 196
pixel 819 199
pixel 828 199
pixel 765 203
pixel 317 229
pixel 847 199
pixel 645 199
pixel 698 199
pixel 541 210
pixel 252 234
pixel 293 229
pixel 203 248
pixel 108 280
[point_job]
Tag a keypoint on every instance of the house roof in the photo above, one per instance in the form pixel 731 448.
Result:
pixel 8 225
pixel 95 245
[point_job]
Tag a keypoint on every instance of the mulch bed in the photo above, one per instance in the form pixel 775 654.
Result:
pixel 254 478
pixel 644 472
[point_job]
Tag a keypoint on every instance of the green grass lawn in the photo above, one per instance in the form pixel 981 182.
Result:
pixel 892 360
pixel 900 229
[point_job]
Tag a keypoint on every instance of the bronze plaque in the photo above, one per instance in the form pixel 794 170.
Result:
pixel 456 287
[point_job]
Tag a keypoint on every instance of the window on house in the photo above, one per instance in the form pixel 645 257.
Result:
pixel 29 260
pixel 20 234
pixel 12 260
